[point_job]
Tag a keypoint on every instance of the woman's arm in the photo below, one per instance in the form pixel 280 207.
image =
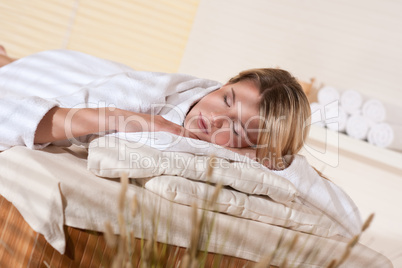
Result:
pixel 64 123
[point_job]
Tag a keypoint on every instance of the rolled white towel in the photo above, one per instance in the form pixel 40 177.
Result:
pixel 378 112
pixel 351 101
pixel 374 110
pixel 357 126
pixel 336 117
pixel 317 114
pixel 386 135
pixel 327 95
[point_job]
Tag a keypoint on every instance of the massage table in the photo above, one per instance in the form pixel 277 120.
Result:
pixel 233 241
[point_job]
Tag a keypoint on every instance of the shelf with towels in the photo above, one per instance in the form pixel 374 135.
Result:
pixel 332 140
pixel 368 128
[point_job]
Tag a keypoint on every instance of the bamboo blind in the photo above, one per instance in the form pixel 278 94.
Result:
pixel 146 35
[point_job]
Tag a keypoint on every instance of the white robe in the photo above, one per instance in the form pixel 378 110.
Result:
pixel 31 86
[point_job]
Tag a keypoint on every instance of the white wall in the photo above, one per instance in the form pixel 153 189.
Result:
pixel 349 44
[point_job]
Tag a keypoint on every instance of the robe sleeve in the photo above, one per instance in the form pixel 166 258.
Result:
pixel 19 119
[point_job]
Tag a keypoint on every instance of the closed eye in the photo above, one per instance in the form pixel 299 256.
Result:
pixel 225 98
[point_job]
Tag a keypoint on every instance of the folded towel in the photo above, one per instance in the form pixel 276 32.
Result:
pixel 336 117
pixel 378 112
pixel 386 135
pixel 357 126
pixel 317 114
pixel 351 101
pixel 327 95
pixel 374 110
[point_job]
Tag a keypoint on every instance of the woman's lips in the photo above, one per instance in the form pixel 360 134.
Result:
pixel 201 124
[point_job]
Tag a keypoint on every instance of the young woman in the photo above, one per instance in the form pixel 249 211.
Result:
pixel 55 95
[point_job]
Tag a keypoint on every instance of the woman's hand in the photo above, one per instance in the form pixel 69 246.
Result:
pixel 136 122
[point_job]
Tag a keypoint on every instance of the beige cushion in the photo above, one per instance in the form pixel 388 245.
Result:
pixel 294 216
pixel 110 156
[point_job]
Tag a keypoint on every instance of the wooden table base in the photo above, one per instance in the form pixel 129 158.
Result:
pixel 20 246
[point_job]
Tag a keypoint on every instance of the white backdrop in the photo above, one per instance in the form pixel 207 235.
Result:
pixel 348 44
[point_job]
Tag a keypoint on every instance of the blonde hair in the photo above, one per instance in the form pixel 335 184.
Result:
pixel 284 114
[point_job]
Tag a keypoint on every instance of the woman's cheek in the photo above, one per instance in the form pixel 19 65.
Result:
pixel 222 137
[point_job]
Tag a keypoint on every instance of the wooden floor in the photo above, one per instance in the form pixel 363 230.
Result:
pixel 20 246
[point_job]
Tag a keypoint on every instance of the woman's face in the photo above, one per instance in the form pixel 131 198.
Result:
pixel 228 116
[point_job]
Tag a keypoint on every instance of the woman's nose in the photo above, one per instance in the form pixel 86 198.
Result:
pixel 217 120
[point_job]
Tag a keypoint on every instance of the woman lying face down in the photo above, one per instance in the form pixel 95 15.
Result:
pixel 262 112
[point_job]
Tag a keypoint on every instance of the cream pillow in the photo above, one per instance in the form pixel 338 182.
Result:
pixel 259 208
pixel 110 156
